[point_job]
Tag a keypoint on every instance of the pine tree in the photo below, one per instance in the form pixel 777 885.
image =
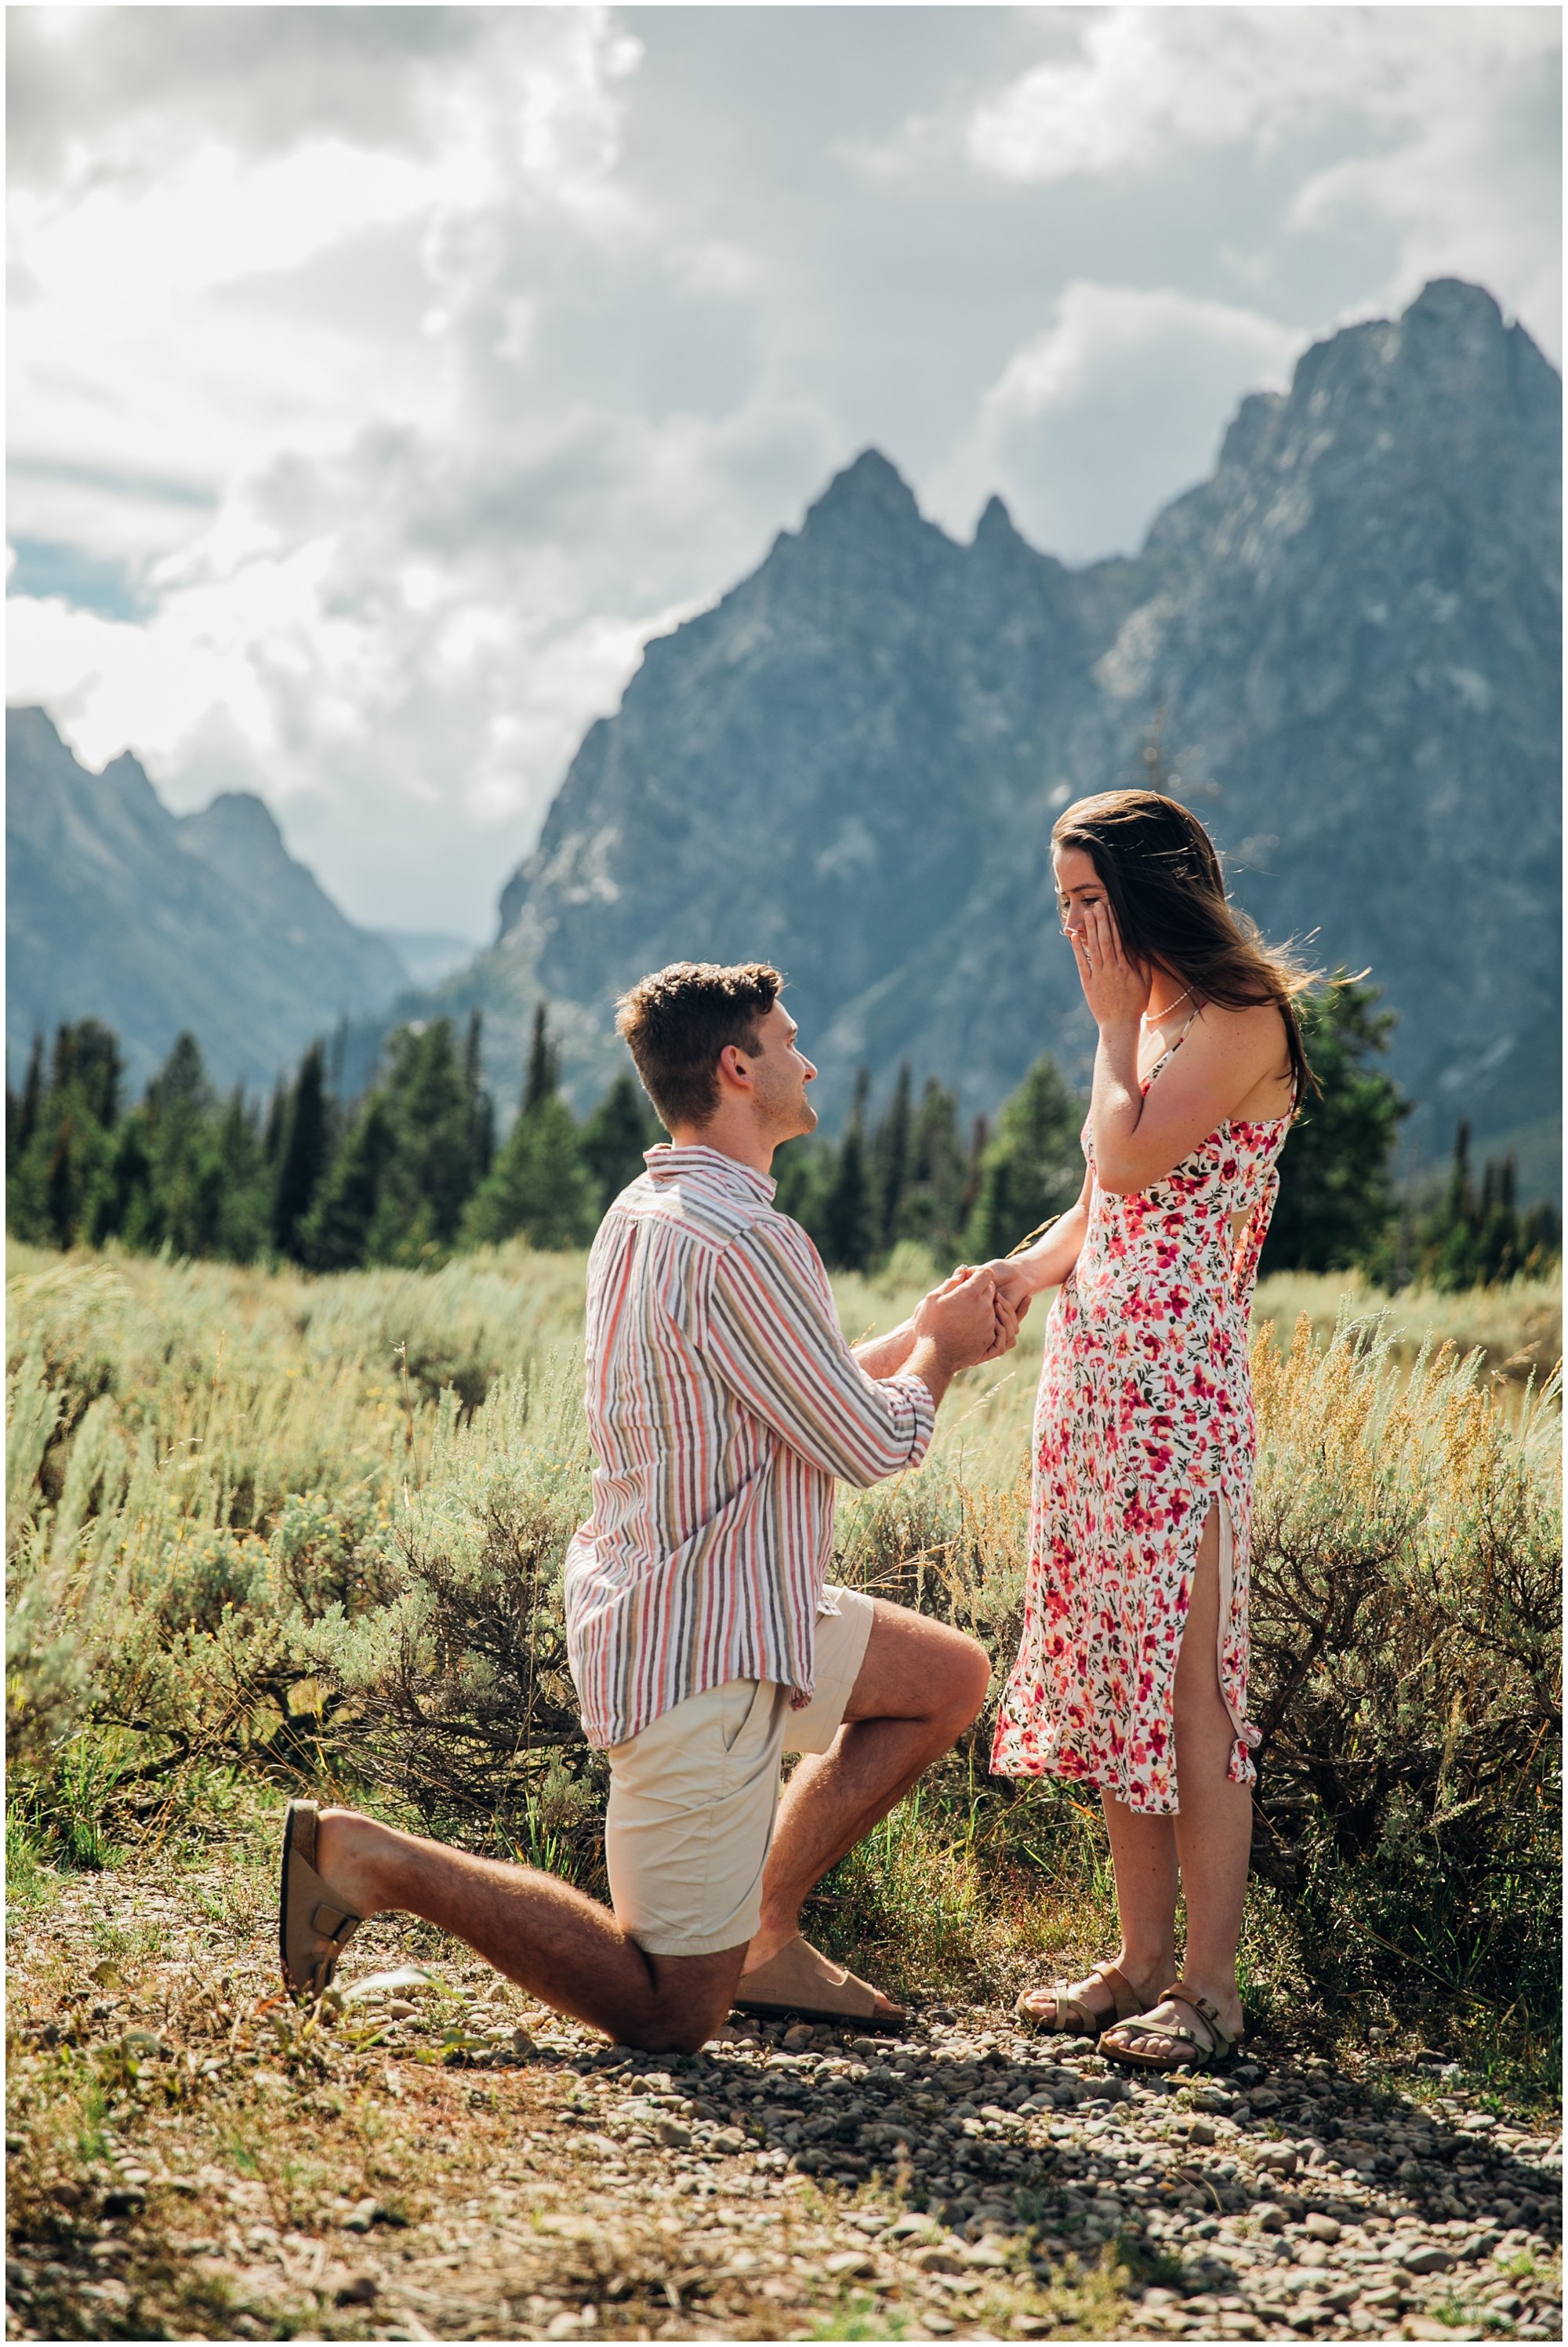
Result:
pixel 539 1188
pixel 67 1142
pixel 848 1224
pixel 121 1203
pixel 1461 1238
pixel 336 1234
pixel 890 1155
pixel 542 1081
pixel 237 1150
pixel 305 1152
pixel 1032 1169
pixel 185 1190
pixel 22 1115
pixel 429 1176
pixel 63 1183
pixel 481 1107
pixel 1335 1206
pixel 615 1136
pixel 932 1206
pixel 277 1125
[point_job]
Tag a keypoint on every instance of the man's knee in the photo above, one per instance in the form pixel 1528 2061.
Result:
pixel 691 1997
pixel 966 1678
pixel 684 2030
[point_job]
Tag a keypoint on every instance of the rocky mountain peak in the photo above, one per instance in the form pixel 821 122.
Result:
pixel 869 490
pixel 866 520
pixel 121 911
pixel 128 775
pixel 1346 639
pixel 238 833
pixel 243 815
pixel 1250 427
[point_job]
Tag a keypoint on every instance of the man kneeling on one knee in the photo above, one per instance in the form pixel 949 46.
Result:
pixel 723 1402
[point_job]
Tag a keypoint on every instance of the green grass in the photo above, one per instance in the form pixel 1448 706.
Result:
pixel 862 2319
pixel 259 1523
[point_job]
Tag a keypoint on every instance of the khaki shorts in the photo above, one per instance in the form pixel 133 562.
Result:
pixel 692 1799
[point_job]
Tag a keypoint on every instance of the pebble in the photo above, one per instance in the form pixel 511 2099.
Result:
pixel 947 2159
pixel 935 2258
pixel 845 2263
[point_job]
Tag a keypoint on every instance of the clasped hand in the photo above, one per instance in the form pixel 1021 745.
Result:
pixel 975 1312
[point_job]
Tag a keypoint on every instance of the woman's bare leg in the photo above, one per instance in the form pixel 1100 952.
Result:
pixel 1212 1833
pixel 1143 1856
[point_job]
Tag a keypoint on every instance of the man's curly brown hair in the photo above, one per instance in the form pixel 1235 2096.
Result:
pixel 676 1022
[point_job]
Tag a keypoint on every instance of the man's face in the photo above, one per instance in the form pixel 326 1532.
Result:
pixel 780 1074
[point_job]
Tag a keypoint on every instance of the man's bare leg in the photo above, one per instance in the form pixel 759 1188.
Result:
pixel 561 1946
pixel 919 1685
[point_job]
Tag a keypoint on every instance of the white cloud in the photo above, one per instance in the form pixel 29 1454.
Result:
pixel 1442 94
pixel 1064 434
pixel 407 368
pixel 409 718
pixel 1465 195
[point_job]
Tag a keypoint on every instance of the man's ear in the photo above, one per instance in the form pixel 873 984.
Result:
pixel 734 1064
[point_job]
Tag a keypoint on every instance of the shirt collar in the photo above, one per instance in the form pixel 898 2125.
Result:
pixel 667 1161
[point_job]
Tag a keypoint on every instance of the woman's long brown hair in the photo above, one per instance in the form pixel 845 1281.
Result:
pixel 1163 878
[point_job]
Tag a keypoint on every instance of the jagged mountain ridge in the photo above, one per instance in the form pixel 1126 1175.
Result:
pixel 120 910
pixel 1345 641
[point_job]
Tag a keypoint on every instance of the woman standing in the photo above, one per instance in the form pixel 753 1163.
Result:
pixel 1131 1674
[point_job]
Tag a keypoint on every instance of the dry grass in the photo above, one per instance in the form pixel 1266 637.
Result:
pixel 192 2158
pixel 1517 1328
pixel 252 1516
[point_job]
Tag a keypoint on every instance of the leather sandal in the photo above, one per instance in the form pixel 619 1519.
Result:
pixel 1188 2050
pixel 309 1914
pixel 802 1981
pixel 1070 2017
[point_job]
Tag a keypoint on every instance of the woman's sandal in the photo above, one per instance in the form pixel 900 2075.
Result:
pixel 308 1911
pixel 1190 2054
pixel 1072 2017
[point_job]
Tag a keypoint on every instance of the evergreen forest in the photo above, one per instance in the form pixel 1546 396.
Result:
pixel 414 1171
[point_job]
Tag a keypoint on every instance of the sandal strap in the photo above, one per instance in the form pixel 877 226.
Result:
pixel 1125 2000
pixel 1176 2032
pixel 1224 2043
pixel 334 1923
pixel 1071 2014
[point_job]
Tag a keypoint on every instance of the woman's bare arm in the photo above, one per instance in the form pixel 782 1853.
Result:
pixel 1051 1257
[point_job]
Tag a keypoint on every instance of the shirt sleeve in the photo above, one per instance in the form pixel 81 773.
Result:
pixel 774 1338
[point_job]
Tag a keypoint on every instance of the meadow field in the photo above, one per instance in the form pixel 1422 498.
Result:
pixel 269 1533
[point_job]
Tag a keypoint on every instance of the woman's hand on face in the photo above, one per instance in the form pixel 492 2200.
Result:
pixel 1115 987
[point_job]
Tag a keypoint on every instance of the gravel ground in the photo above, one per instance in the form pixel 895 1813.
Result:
pixel 443 2160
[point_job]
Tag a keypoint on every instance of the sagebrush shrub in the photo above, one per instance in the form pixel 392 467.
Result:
pixel 243 1539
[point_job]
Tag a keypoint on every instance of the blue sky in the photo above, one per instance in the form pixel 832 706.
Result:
pixel 382 378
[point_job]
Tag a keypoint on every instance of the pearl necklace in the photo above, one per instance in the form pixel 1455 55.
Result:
pixel 1147 1022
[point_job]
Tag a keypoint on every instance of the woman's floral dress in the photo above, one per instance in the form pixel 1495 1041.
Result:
pixel 1144 1420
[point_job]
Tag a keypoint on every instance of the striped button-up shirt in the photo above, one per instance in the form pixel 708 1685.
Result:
pixel 722 1401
